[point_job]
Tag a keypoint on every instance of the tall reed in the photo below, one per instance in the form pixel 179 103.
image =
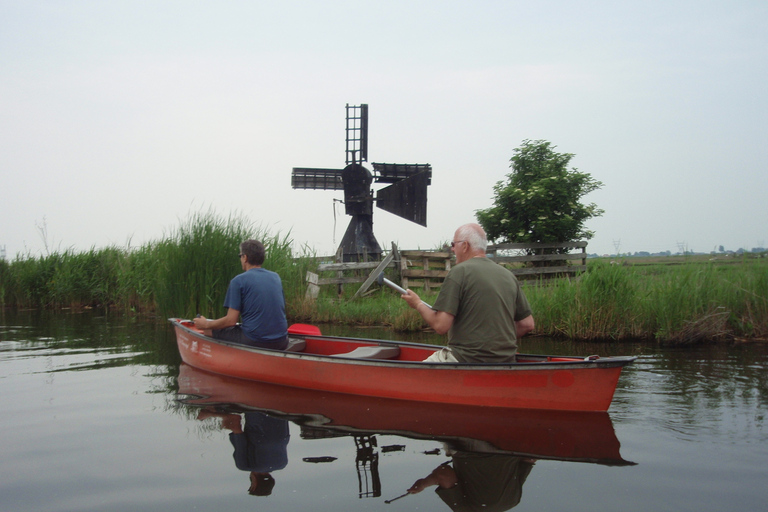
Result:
pixel 197 259
pixel 379 308
pixel 185 273
pixel 62 279
pixel 678 304
pixel 600 304
pixel 188 271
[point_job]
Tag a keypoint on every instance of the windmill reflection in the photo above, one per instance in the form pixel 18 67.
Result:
pixel 366 458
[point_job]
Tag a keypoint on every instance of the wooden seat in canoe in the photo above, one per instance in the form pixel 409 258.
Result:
pixel 296 345
pixel 374 352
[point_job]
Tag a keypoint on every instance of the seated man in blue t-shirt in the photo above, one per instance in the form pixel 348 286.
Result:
pixel 256 298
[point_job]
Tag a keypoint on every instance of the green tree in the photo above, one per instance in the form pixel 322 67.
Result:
pixel 541 199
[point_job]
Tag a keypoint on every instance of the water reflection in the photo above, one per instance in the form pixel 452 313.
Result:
pixel 260 447
pixel 694 418
pixel 366 457
pixel 478 481
pixel 491 451
pixel 699 393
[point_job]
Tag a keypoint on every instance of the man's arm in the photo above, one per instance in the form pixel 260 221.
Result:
pixel 230 319
pixel 524 326
pixel 444 476
pixel 440 321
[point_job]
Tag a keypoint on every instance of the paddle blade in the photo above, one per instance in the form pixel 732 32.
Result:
pixel 304 329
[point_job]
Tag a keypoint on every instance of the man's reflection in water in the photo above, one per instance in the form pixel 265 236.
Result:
pixel 478 481
pixel 261 447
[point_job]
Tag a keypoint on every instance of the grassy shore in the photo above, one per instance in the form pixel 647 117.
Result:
pixel 187 272
pixel 678 304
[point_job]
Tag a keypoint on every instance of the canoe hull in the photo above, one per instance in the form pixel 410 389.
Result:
pixel 575 385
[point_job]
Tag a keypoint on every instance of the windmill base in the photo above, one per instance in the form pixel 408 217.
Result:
pixel 358 243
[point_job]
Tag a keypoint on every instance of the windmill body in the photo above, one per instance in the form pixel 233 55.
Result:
pixel 405 196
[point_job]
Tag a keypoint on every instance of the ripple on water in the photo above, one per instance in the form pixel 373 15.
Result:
pixel 699 395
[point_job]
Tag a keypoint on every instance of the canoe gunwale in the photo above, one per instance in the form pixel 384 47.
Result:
pixel 576 362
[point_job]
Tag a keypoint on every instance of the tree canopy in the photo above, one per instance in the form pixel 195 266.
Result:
pixel 541 199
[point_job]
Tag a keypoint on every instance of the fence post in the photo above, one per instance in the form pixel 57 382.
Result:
pixel 313 289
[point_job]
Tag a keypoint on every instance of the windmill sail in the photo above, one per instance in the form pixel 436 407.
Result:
pixel 317 179
pixel 407 198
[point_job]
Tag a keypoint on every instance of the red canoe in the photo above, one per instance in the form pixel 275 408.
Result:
pixel 390 369
pixel 558 435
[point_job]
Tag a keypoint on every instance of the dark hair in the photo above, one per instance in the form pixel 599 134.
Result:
pixel 254 251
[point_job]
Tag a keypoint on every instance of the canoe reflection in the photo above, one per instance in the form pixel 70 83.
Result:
pixel 487 445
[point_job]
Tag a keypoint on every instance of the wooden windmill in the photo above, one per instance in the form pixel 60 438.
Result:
pixel 405 196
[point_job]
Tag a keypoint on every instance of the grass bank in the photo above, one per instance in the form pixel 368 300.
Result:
pixel 676 304
pixel 187 272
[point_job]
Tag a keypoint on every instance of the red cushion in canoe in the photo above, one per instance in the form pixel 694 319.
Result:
pixel 305 329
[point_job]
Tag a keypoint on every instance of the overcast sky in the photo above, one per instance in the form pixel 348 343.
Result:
pixel 119 118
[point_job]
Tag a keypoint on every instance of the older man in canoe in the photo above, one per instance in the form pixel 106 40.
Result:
pixel 480 306
pixel 256 298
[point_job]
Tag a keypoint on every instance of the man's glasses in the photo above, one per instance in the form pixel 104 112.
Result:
pixel 453 244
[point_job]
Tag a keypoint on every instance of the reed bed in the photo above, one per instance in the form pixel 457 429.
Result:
pixel 197 260
pixel 62 280
pixel 188 270
pixel 679 304
pixel 383 308
pixel 183 274
pixel 672 304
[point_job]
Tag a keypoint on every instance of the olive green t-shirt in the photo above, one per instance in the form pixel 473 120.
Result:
pixel 486 301
pixel 486 482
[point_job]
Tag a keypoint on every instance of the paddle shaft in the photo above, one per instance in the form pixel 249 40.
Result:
pixel 395 499
pixel 397 288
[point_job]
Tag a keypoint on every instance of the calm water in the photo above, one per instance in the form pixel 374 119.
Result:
pixel 91 420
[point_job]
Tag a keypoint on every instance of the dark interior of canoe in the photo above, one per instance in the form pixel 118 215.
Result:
pixel 370 349
pixel 358 349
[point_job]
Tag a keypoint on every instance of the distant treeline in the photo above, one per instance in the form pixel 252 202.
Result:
pixel 645 254
pixel 188 271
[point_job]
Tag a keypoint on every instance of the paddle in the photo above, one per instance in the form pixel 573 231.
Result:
pixel 383 280
pixel 299 329
pixel 395 499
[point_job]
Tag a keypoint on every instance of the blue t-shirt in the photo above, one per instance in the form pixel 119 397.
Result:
pixel 263 445
pixel 258 295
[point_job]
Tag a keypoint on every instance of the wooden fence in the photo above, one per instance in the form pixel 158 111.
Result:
pixel 359 274
pixel 518 253
pixel 427 269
